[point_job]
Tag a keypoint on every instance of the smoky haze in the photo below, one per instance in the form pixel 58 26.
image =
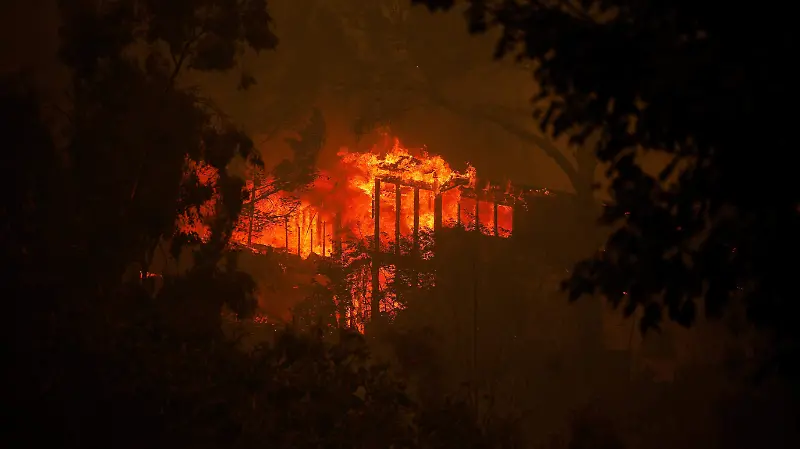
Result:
pixel 489 327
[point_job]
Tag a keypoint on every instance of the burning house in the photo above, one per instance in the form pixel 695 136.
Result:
pixel 378 213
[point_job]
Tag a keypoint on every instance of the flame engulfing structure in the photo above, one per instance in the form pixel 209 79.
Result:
pixel 340 204
pixel 387 204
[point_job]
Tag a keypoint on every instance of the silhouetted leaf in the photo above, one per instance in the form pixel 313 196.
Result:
pixel 214 53
pixel 679 89
pixel 651 318
pixel 246 81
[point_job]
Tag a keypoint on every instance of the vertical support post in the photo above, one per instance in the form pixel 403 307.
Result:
pixel 345 315
pixel 496 227
pixel 437 220
pixel 324 228
pixel 375 306
pixel 336 237
pixel 319 231
pixel 477 215
pixel 298 240
pixel 458 212
pixel 415 250
pixel 286 231
pixel 397 206
pixel 415 247
pixel 311 234
pixel 437 213
pixel 376 215
pixel 252 214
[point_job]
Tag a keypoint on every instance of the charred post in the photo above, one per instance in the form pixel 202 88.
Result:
pixel 252 214
pixel 320 237
pixel 496 227
pixel 286 232
pixel 458 213
pixel 337 237
pixel 324 226
pixel 415 248
pixel 298 240
pixel 397 205
pixel 375 306
pixel 376 216
pixel 477 216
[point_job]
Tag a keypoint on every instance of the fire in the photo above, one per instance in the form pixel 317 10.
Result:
pixel 340 203
pixel 341 206
pixel 399 166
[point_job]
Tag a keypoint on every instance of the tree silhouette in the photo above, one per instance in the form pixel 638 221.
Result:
pixel 407 66
pixel 291 79
pixel 265 208
pixel 101 361
pixel 133 129
pixel 718 221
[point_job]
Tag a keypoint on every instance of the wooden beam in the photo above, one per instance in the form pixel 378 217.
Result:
pixel 415 248
pixel 375 303
pixel 496 228
pixel 336 237
pixel 477 216
pixel 397 211
pixel 437 213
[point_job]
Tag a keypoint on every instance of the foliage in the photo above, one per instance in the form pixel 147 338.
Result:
pixel 718 222
pixel 375 70
pixel 293 78
pixel 272 195
pixel 163 387
pixel 128 118
pixel 300 172
pixel 102 362
pixel 406 60
pixel 322 308
pixel 30 155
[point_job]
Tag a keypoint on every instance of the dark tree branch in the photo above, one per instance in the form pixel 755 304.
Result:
pixel 184 54
pixel 504 122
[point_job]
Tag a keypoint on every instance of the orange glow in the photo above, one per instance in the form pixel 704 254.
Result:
pixel 450 200
pixel 347 191
pixel 339 207
pixel 468 213
pixel 505 220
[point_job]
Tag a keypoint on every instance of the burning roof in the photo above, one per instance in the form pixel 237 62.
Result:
pixel 386 202
pixel 340 204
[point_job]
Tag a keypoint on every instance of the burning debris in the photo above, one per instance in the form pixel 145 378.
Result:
pixel 372 213
pixel 340 204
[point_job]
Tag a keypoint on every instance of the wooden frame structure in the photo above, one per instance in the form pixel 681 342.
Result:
pixel 490 194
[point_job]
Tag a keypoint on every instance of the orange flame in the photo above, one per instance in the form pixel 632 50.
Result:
pixel 346 193
pixel 340 206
